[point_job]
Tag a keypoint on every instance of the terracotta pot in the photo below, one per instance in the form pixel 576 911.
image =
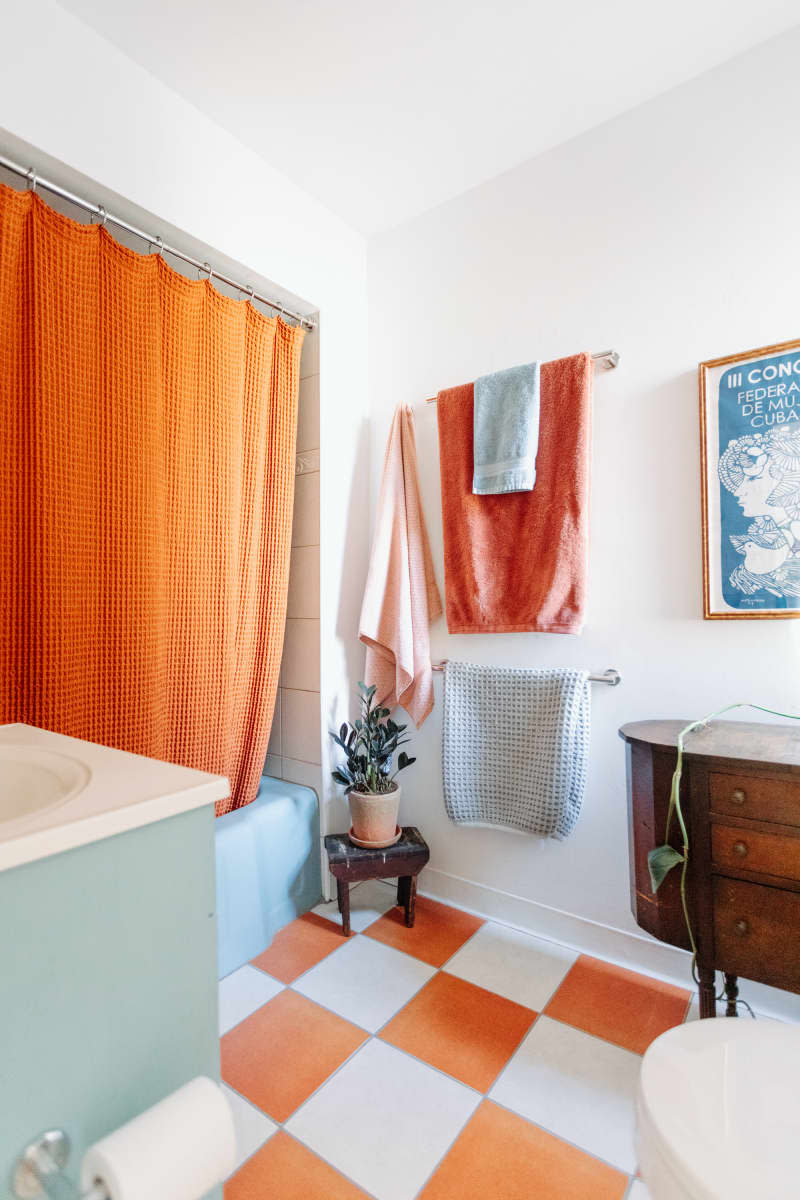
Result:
pixel 374 817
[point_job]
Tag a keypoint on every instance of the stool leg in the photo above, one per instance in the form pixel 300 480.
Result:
pixel 411 901
pixel 343 896
pixel 731 993
pixel 402 890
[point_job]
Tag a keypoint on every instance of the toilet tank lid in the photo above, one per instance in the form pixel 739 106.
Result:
pixel 721 1098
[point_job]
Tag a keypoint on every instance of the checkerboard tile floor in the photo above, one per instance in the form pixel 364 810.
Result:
pixel 458 1059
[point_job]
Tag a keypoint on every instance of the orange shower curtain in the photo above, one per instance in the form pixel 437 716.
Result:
pixel 147 480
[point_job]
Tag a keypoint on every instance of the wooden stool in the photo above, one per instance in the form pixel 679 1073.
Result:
pixel 352 864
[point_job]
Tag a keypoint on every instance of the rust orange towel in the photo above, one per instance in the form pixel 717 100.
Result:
pixel 517 561
pixel 401 597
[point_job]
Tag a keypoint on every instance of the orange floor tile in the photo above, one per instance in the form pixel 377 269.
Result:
pixel 437 933
pixel 462 1029
pixel 621 1006
pixel 500 1156
pixel 298 947
pixel 282 1053
pixel 285 1170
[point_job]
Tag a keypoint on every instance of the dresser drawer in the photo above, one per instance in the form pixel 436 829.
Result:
pixel 737 849
pixel 757 932
pixel 758 797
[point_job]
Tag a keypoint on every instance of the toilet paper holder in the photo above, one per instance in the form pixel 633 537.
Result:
pixel 39 1171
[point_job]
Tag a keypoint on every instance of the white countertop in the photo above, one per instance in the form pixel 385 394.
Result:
pixel 123 791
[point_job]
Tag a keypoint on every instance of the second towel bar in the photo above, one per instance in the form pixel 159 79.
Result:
pixel 610 676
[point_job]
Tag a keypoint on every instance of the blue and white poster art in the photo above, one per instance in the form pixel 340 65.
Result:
pixel 750 421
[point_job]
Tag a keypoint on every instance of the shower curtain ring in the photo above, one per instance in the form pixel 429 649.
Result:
pixel 31 176
pixel 101 212
pixel 251 292
pixel 207 267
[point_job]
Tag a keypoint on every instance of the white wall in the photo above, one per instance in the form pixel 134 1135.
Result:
pixel 654 234
pixel 671 234
pixel 85 114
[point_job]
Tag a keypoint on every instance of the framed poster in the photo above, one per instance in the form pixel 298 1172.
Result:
pixel 750 447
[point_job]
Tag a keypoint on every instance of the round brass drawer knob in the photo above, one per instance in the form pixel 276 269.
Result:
pixel 738 796
pixel 740 848
pixel 742 926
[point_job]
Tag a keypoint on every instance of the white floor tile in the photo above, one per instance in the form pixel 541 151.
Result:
pixel 578 1087
pixel 241 993
pixel 368 901
pixel 694 1010
pixel 252 1127
pixel 365 982
pixel 516 965
pixel 385 1120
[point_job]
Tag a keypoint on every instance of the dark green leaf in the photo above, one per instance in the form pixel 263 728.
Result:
pixel 661 860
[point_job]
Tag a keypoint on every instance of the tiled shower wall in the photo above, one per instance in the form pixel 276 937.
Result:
pixel 294 745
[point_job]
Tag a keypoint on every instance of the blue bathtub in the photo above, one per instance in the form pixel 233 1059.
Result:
pixel 268 868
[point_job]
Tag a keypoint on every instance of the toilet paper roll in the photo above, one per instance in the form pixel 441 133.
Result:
pixel 177 1150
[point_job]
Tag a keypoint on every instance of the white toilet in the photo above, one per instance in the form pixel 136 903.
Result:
pixel 718 1111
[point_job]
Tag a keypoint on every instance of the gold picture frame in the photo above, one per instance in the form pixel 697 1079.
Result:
pixel 750 483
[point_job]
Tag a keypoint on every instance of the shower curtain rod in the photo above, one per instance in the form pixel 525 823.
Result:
pixel 610 676
pixel 605 358
pixel 98 210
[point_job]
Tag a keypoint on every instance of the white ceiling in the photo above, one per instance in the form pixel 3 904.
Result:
pixel 382 110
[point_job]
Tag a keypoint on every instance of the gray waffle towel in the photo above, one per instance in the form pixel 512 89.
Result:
pixel 505 431
pixel 516 744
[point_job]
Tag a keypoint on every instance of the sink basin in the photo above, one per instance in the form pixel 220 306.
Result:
pixel 58 793
pixel 33 779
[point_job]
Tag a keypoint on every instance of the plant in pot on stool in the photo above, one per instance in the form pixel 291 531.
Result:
pixel 366 774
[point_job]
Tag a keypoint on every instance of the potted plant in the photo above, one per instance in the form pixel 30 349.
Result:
pixel 366 773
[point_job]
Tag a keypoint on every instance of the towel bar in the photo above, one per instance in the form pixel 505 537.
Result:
pixel 610 676
pixel 605 358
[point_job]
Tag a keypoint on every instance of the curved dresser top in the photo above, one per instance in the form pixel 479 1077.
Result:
pixel 738 741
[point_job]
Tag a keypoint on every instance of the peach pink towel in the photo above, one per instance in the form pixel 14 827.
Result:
pixel 401 597
pixel 517 561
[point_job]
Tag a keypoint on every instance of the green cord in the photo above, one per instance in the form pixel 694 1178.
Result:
pixel 662 859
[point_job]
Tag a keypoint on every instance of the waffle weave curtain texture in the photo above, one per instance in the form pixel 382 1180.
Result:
pixel 149 427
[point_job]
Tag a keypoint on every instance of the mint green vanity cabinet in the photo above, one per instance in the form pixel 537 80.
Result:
pixel 108 995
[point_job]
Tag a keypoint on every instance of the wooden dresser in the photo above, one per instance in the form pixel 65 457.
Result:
pixel 740 794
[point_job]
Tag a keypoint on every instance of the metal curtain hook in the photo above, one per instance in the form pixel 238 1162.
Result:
pixel 101 212
pixel 207 267
pixel 31 176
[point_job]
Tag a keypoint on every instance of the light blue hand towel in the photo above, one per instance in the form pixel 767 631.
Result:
pixel 506 431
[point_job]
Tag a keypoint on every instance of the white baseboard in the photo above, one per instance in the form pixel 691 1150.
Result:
pixel 637 951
